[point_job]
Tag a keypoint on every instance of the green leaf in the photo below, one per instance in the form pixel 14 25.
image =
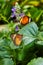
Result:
pixel 27 40
pixel 5 48
pixel 39 46
pixel 29 33
pixel 38 61
pixel 40 36
pixel 35 13
pixel 6 61
pixel 40 43
pixel 41 28
pixel 30 29
pixel 5 43
pixel 7 10
pixel 34 3
pixel 41 25
pixel 4 54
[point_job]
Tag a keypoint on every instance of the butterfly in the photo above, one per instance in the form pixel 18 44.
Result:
pixel 24 20
pixel 17 39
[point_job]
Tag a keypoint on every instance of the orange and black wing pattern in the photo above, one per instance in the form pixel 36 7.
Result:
pixel 17 39
pixel 24 20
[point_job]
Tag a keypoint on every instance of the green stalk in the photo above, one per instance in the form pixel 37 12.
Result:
pixel 4 18
pixel 23 3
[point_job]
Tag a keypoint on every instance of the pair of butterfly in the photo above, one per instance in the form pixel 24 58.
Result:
pixel 17 38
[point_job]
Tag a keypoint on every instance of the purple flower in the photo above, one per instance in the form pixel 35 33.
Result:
pixel 17 28
pixel 13 15
pixel 13 9
pixel 21 14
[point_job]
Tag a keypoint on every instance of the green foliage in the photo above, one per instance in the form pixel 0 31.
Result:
pixel 28 37
pixel 7 45
pixel 6 61
pixel 32 41
pixel 26 48
pixel 38 61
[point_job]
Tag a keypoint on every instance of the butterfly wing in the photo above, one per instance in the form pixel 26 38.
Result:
pixel 24 20
pixel 17 39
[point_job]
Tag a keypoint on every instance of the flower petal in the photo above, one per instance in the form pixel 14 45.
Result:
pixel 13 9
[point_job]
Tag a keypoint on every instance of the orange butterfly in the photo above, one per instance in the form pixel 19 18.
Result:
pixel 24 20
pixel 17 38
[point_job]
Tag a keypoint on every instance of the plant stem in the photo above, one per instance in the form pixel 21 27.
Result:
pixel 3 18
pixel 23 3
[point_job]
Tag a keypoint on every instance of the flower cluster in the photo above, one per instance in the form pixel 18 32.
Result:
pixel 16 12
